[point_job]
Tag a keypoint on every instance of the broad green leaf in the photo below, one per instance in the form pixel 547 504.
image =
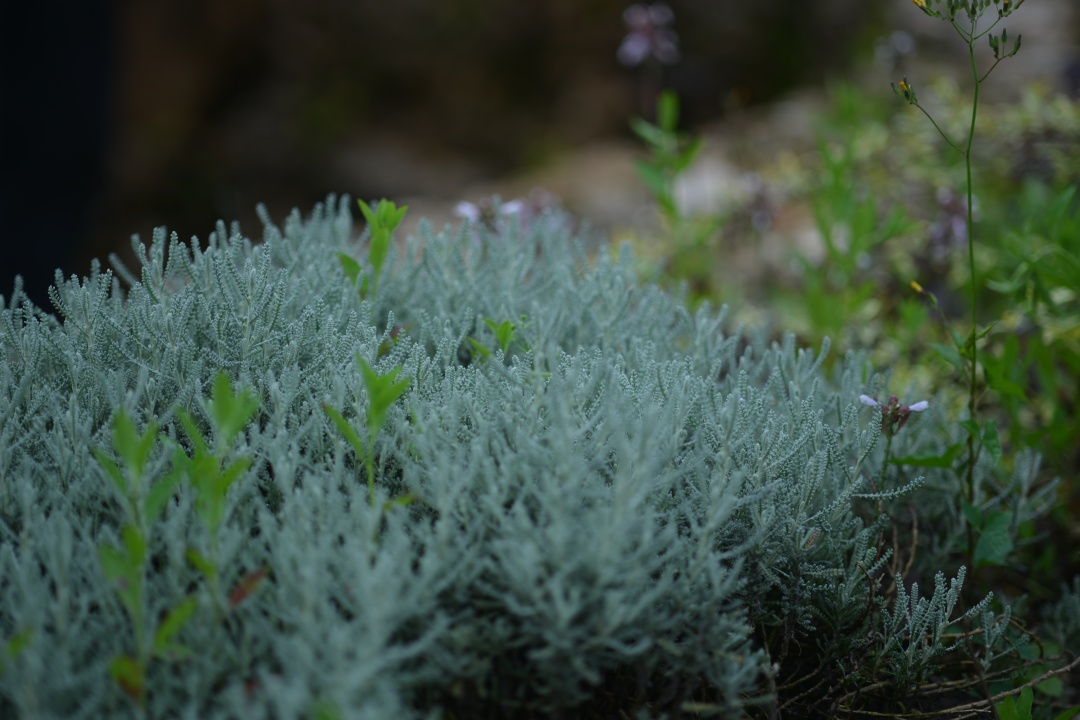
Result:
pixel 995 543
pixel 383 392
pixel 379 249
pixel 346 430
pixel 1069 714
pixel 14 646
pixel 651 134
pixel 133 449
pixel 972 427
pixel 973 515
pixel 999 383
pixel 324 709
pixel 653 177
pixel 112 471
pixel 160 494
pixel 207 568
pixel 1006 709
pixel 231 412
pixel 667 111
pixel 504 332
pixel 992 442
pixel 479 347
pixel 400 501
pixel 193 433
pixel 134 544
pixel 368 213
pixel 1054 687
pixel 172 623
pixel 388 215
pixel 688 155
pixel 350 266
pixel 125 573
pixel 128 675
pixel 114 563
pixel 950 354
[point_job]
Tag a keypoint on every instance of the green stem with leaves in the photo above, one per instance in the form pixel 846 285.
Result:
pixel 972 396
pixel 974 10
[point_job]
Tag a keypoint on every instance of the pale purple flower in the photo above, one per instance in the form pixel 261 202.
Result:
pixel 894 415
pixel 648 34
pixel 492 213
pixel 468 211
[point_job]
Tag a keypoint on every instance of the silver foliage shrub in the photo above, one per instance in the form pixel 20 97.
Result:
pixel 629 500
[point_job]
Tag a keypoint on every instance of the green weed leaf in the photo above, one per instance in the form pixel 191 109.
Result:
pixel 383 391
pixel 231 412
pixel 484 350
pixel 14 646
pixel 346 430
pixel 504 332
pixel 950 354
pixel 112 471
pixel 992 442
pixel 667 111
pixel 133 449
pixel 161 492
pixel 995 542
pixel 350 266
pixel 128 674
pixel 200 563
pixel 164 647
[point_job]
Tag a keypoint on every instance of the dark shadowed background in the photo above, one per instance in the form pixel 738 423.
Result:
pixel 116 117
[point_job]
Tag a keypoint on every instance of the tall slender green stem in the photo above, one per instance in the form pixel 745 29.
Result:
pixel 974 285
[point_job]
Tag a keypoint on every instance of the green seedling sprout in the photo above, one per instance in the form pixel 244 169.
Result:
pixel 383 391
pixel 125 566
pixel 504 333
pixel 211 473
pixel 382 220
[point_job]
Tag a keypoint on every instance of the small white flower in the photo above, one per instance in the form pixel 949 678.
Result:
pixel 867 400
pixel 513 207
pixel 919 406
pixel 467 210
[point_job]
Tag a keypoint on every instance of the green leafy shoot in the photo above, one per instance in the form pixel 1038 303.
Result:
pixel 382 220
pixel 230 412
pixel 211 473
pixel 174 620
pixel 1016 709
pixel 124 568
pixel 970 30
pixel 129 674
pixel 383 390
pixel 134 450
pixel 670 151
pixel 13 646
pixel 994 530
pixel 504 332
pixel 350 266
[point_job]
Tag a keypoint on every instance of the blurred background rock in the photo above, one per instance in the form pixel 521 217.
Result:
pixel 116 117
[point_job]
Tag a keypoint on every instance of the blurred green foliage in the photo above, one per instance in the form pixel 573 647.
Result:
pixel 884 193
